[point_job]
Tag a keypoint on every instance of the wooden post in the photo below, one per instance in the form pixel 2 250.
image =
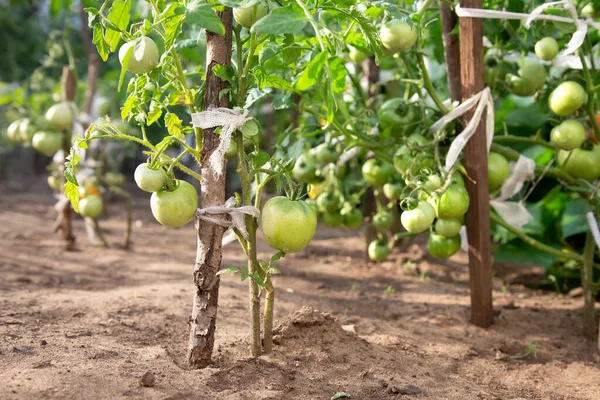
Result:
pixel 451 49
pixel 478 218
pixel 208 256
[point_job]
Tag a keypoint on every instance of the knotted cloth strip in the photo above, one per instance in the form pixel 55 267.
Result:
pixel 237 214
pixel 230 120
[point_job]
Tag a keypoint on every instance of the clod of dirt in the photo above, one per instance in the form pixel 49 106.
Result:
pixel 294 326
pixel 43 343
pixel 148 379
pixel 577 292
pixel 410 390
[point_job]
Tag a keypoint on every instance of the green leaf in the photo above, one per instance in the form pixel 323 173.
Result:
pixel 98 40
pixel 244 272
pixel 72 193
pixel 573 220
pixel 517 251
pixel 259 159
pixel 200 13
pixel 174 125
pixel 312 72
pixel 338 74
pixel 174 15
pixel 153 114
pixel 92 14
pixel 254 95
pixel 224 72
pixel 258 279
pixel 128 107
pixel 276 257
pixel 266 79
pixel 119 16
pixel 273 271
pixel 288 19
pixel 340 395
pixel 229 271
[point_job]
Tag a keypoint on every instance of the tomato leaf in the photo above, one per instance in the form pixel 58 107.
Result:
pixel 224 72
pixel 200 13
pixel 229 271
pixel 338 73
pixel 288 19
pixel 72 193
pixel 174 15
pixel 174 125
pixel 98 40
pixel 312 72
pixel 92 14
pixel 119 16
pixel 258 279
pixel 259 159
pixel 266 79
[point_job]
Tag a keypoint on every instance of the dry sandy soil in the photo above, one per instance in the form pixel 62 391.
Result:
pixel 89 324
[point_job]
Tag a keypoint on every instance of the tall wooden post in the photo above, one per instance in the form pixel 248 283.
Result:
pixel 478 219
pixel 449 21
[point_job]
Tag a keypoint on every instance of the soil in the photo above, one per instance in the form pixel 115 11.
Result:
pixel 112 324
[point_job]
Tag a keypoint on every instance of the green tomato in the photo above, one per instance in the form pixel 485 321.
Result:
pixel 433 182
pixel 148 179
pixel 328 202
pixel 443 247
pixel 144 56
pixel 250 129
pixel 103 104
pixel 393 191
pixel 378 251
pixel 418 219
pixel 232 151
pixel 91 207
pixel 447 227
pixel 397 114
pixel 305 169
pixel 326 153
pixel 312 203
pixel 377 172
pixel 288 225
pixel 531 78
pixel 177 207
pixel 26 131
pixel 589 11
pixel 383 221
pixel 13 132
pixel 458 178
pixel 114 179
pixel 569 135
pixel 60 116
pixel 498 170
pixel 246 17
pixel 546 49
pixel 453 203
pixel 581 163
pixel 352 216
pixel 332 219
pixel 405 161
pixel 566 98
pixel 356 55
pixel 398 36
pixel 54 182
pixel 47 142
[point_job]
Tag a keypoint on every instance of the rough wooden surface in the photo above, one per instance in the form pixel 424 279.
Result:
pixel 451 50
pixel 478 221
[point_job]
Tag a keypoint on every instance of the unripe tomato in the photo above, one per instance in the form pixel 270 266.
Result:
pixel 91 207
pixel 332 219
pixel 397 114
pixel 531 78
pixel 377 172
pixel 246 17
pixel 546 49
pixel 177 207
pixel 398 36
pixel 288 225
pixel 250 129
pixel 305 169
pixel 447 227
pixel 566 98
pixel 352 216
pixel 328 202
pixel 26 131
pixel 316 189
pixel 232 151
pixel 458 178
pixel 589 11
pixel 144 56
pixel 356 55
pixel 443 247
pixel 418 219
pixel 54 183
pixel 13 132
pixel 498 170
pixel 383 221
pixel 453 203
pixel 88 189
pixel 114 179
pixel 569 135
pixel 393 191
pixel 433 182
pixel 326 153
pixel 60 116
pixel 47 142
pixel 103 105
pixel 148 179
pixel 581 163
pixel 378 251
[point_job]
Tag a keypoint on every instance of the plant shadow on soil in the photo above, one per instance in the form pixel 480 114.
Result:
pixel 91 323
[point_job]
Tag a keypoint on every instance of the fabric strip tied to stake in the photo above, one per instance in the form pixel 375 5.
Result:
pixel 237 214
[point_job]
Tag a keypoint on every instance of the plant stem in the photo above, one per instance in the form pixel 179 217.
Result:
pixel 268 315
pixel 521 139
pixel 428 85
pixel 590 97
pixel 534 243
pixel 587 281
pixel 424 7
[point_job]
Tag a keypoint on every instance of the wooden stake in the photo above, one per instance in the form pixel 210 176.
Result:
pixel 478 219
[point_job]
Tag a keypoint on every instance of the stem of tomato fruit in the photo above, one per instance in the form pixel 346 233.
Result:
pixel 522 139
pixel 587 281
pixel 428 85
pixel 424 7
pixel 590 95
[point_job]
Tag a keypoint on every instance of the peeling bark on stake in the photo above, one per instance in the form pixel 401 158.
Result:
pixel 451 50
pixel 212 192
pixel 478 215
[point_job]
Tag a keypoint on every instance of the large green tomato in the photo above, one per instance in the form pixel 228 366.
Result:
pixel 589 11
pixel 305 169
pixel 288 225
pixel 447 227
pixel 13 132
pixel 566 98
pixel 531 78
pixel 546 49
pixel 377 172
pixel 144 56
pixel 569 135
pixel 250 129
pixel 91 207
pixel 332 219
pixel 581 163
pixel 453 203
pixel 418 219
pixel 60 116
pixel 352 216
pixel 493 72
pixel 393 191
pixel 443 247
pixel 177 207
pixel 356 55
pixel 383 221
pixel 378 251
pixel 328 202
pixel 47 142
pixel 398 36
pixel 326 153
pixel 148 179
pixel 246 17
pixel 498 170
pixel 397 114
pixel 26 131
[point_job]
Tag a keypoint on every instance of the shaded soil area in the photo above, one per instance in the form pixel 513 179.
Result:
pixel 111 324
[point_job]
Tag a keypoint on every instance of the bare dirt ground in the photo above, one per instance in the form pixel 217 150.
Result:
pixel 89 324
